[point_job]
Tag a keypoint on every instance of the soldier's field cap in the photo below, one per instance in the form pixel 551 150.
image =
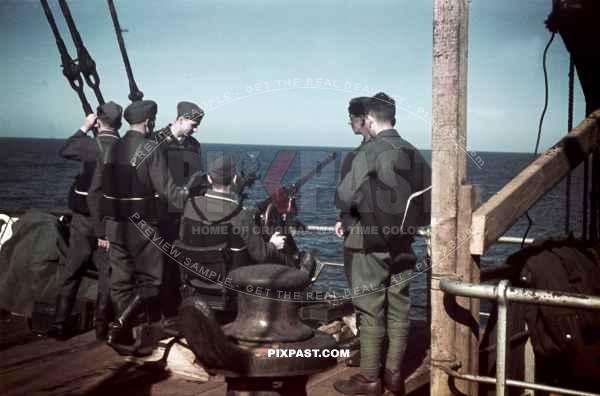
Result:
pixel 190 110
pixel 141 111
pixel 222 170
pixel 110 113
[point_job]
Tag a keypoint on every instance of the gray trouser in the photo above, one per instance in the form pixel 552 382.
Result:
pixel 170 295
pixel 83 246
pixel 136 261
pixel 381 300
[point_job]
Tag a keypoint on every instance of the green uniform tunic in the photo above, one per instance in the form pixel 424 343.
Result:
pixel 384 172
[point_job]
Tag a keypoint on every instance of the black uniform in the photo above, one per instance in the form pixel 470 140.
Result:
pixel 135 177
pixel 82 241
pixel 184 159
pixel 104 313
pixel 217 236
pixel 201 227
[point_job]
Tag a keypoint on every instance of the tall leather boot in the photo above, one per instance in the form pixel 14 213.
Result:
pixel 104 315
pixel 104 308
pixel 60 328
pixel 119 331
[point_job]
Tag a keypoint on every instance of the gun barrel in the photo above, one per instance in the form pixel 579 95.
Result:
pixel 293 188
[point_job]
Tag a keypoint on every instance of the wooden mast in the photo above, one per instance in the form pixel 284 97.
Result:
pixel 449 116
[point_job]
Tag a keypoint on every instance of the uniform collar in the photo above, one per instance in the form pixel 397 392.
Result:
pixel 134 134
pixel 388 132
pixel 108 133
pixel 175 139
pixel 229 197
pixel 182 140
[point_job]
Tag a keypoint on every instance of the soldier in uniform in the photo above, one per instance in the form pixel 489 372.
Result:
pixel 135 176
pixel 356 113
pixel 184 159
pixel 220 205
pixel 82 242
pixel 383 174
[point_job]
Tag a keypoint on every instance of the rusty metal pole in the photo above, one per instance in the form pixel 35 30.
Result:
pixel 450 28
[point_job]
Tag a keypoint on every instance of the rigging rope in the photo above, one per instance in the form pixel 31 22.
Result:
pixel 87 66
pixel 539 134
pixel 70 68
pixel 134 93
pixel 545 68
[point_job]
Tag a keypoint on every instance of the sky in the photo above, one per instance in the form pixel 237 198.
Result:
pixel 281 72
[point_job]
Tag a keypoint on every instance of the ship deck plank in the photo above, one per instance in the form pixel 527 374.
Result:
pixel 84 366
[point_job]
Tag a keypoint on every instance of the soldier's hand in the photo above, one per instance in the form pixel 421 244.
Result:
pixel 103 243
pixel 339 229
pixel 89 122
pixel 278 240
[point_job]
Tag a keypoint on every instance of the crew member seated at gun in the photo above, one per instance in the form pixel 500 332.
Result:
pixel 216 226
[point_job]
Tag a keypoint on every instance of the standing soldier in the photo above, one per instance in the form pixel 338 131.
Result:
pixel 183 155
pixel 382 177
pixel 82 241
pixel 356 112
pixel 134 176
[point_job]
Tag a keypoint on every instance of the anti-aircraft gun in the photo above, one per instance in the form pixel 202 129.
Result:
pixel 279 212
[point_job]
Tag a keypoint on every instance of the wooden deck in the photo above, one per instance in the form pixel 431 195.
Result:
pixel 84 366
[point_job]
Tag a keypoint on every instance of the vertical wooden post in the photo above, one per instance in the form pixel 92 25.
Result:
pixel 467 269
pixel 450 29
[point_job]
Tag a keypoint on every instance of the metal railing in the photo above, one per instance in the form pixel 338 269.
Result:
pixel 425 232
pixel 421 232
pixel 503 293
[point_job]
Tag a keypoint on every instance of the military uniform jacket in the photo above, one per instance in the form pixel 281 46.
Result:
pixel 83 148
pixel 348 215
pixel 184 158
pixel 142 166
pixel 245 234
pixel 384 173
pixel 105 139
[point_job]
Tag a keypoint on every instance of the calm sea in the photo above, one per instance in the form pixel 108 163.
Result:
pixel 32 175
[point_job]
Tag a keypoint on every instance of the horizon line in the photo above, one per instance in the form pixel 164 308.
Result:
pixel 285 145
